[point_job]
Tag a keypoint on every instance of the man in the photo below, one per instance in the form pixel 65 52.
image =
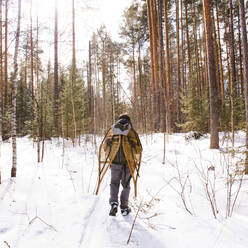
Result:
pixel 121 149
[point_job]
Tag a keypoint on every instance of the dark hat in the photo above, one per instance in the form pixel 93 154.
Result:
pixel 126 117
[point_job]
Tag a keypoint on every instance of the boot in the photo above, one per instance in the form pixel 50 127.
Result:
pixel 125 211
pixel 113 209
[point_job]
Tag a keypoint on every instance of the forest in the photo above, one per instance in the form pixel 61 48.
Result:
pixel 70 68
pixel 178 66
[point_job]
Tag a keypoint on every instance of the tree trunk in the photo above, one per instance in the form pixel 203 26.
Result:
pixel 189 78
pixel 178 88
pixel 5 121
pixel 13 122
pixel 233 70
pixel 56 93
pixel 39 108
pixel 167 70
pixel 161 65
pixel 220 56
pixel 31 50
pixel 104 84
pixel 245 64
pixel 1 64
pixel 89 84
pixel 182 47
pixel 241 76
pixel 213 91
pixel 153 13
pixel 1 68
pixel 73 78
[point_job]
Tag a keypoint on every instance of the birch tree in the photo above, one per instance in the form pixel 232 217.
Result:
pixel 13 121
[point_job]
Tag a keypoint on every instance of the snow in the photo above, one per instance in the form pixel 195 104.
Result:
pixel 52 204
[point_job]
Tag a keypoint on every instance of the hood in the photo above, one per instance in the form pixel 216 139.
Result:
pixel 121 127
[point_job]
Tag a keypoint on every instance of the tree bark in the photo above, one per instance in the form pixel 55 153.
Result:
pixel 167 70
pixel 31 50
pixel 189 77
pixel 245 64
pixel 178 89
pixel 5 129
pixel 56 93
pixel 155 63
pixel 182 47
pixel 213 90
pixel 1 63
pixel 13 122
pixel 233 69
pixel 220 56
pixel 73 77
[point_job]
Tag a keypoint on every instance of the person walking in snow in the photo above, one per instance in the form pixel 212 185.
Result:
pixel 120 150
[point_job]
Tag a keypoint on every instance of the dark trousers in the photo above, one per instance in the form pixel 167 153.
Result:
pixel 119 174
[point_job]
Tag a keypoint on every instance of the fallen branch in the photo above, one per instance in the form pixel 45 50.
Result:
pixel 5 242
pixel 37 217
pixel 130 234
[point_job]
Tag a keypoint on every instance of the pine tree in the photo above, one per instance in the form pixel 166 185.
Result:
pixel 213 93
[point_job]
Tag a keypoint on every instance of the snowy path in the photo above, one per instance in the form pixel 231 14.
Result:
pixel 113 232
pixel 45 206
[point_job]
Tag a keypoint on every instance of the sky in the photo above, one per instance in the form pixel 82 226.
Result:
pixel 90 15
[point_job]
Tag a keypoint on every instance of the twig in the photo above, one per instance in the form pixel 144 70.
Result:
pixel 71 179
pixel 5 242
pixel 153 197
pixel 130 234
pixel 149 217
pixel 37 217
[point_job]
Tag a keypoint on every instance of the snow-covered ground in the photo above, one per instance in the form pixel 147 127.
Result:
pixel 52 204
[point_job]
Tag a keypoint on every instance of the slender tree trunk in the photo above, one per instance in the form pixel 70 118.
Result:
pixel 1 64
pixel 216 58
pixel 73 81
pixel 39 119
pixel 245 64
pixel 26 66
pixel 155 62
pixel 13 122
pixel 233 69
pixel 134 75
pixel 1 69
pixel 241 76
pixel 220 56
pixel 182 47
pixel 202 44
pixel 6 57
pixel 197 68
pixel 104 83
pixel 206 83
pixel 152 52
pixel 161 65
pixel 189 77
pixel 89 84
pixel 178 64
pixel 31 50
pixel 141 90
pixel 5 129
pixel 167 69
pixel 213 91
pixel 56 93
